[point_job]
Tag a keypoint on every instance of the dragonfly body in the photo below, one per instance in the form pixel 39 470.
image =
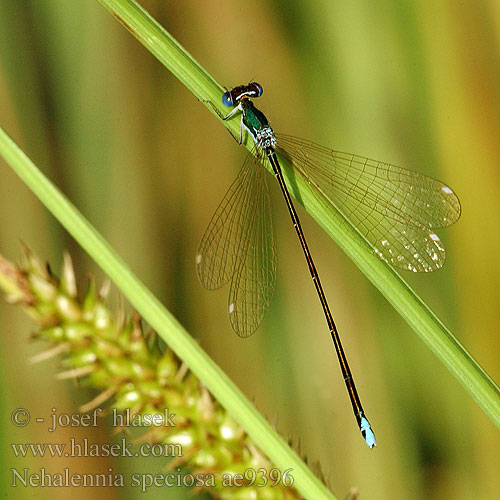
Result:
pixel 394 209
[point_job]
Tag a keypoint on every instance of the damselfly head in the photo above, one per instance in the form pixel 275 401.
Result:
pixel 233 96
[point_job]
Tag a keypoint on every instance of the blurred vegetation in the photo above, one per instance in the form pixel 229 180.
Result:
pixel 137 379
pixel 412 83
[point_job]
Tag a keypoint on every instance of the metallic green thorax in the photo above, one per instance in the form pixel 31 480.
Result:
pixel 253 119
pixel 257 125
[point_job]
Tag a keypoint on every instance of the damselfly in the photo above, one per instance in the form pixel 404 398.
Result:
pixel 393 209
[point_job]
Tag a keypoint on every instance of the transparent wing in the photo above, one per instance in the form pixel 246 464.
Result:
pixel 395 209
pixel 221 245
pixel 239 246
pixel 252 286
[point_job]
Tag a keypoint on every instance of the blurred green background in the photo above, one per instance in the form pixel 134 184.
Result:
pixel 412 83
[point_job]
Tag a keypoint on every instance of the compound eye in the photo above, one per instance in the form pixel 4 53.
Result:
pixel 227 99
pixel 257 89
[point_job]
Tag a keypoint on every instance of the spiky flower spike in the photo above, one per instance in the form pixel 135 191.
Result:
pixel 133 375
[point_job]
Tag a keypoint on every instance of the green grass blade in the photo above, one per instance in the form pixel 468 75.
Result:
pixel 163 322
pixel 409 305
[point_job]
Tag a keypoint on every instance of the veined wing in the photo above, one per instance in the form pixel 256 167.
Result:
pixel 239 246
pixel 395 209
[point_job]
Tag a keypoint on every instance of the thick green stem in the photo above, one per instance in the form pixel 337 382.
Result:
pixel 217 382
pixel 409 305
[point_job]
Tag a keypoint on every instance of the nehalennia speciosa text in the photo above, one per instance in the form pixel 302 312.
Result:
pixel 394 210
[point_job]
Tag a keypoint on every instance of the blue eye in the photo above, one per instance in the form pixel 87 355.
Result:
pixel 257 88
pixel 227 99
